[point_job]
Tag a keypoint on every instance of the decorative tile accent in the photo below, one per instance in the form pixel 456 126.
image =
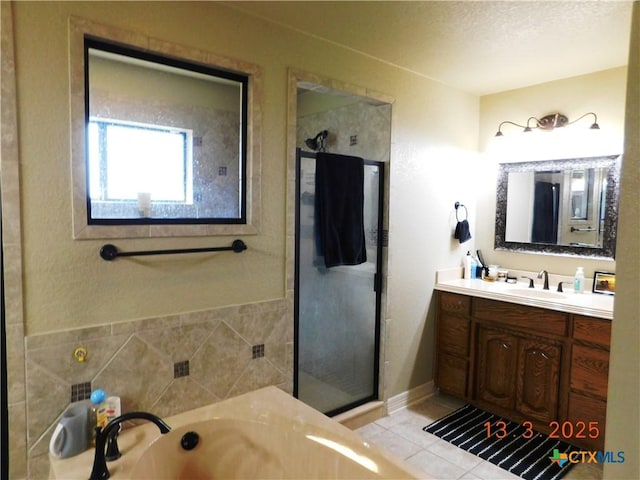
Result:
pixel 80 391
pixel 257 351
pixel 181 369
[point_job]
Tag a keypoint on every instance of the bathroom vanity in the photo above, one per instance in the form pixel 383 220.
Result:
pixel 530 356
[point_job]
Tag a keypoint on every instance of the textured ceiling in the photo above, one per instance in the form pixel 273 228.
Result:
pixel 480 47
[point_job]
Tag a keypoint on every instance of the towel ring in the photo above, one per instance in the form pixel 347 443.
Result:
pixel 466 212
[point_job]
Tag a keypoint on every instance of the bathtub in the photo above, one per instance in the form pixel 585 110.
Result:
pixel 265 434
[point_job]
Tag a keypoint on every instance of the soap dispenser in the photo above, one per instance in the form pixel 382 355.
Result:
pixel 578 281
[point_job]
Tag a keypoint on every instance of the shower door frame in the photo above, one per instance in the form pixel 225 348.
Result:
pixel 377 283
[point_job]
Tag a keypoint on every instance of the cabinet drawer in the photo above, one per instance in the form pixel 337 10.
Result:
pixel 590 370
pixel 453 334
pixel 586 409
pixel 454 303
pixel 520 316
pixel 594 330
pixel 452 375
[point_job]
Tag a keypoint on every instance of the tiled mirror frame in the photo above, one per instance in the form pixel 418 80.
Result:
pixel 78 28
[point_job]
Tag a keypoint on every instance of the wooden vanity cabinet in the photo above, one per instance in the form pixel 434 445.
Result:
pixel 518 359
pixel 524 363
pixel 453 340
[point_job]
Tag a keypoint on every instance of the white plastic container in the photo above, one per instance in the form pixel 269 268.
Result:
pixel 468 265
pixel 578 280
pixel 113 408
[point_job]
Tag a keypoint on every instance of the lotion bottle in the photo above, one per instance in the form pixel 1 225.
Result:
pixel 578 281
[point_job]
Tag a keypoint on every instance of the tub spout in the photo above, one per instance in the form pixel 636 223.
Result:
pixel 100 470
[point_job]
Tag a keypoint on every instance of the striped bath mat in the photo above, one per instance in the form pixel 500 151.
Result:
pixel 511 446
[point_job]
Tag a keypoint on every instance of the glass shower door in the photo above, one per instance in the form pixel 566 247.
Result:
pixel 337 308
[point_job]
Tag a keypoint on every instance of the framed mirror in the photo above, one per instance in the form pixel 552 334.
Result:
pixel 167 142
pixel 567 206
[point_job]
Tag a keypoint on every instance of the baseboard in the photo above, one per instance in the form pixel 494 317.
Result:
pixel 415 395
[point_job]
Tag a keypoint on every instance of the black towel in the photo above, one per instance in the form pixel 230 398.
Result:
pixel 546 199
pixel 339 209
pixel 462 232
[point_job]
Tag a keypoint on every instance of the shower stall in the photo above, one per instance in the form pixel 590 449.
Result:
pixel 337 309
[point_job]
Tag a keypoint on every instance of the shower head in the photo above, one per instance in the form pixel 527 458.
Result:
pixel 317 143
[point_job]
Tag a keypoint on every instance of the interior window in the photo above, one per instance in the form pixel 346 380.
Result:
pixel 165 137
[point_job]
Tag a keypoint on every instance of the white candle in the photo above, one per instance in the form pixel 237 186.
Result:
pixel 144 204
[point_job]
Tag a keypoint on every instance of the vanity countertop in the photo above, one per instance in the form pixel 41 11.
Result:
pixel 586 303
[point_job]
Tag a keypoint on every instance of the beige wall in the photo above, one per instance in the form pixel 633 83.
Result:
pixel 69 290
pixel 66 285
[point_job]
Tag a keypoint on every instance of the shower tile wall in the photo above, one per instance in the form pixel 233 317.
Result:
pixel 370 123
pixel 135 360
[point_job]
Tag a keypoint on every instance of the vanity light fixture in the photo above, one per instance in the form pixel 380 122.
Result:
pixel 549 122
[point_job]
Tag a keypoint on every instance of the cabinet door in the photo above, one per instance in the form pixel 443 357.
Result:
pixel 453 334
pixel 589 411
pixel 538 379
pixel 497 360
pixel 451 375
pixel 590 371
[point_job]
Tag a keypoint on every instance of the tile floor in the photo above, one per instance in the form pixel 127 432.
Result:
pixel 401 434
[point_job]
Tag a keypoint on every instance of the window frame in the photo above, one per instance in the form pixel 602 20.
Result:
pixel 249 223
pixel 186 160
pixel 92 42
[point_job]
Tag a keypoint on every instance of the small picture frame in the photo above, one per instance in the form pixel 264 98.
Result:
pixel 604 283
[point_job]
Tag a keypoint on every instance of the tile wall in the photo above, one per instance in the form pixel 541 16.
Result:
pixel 145 363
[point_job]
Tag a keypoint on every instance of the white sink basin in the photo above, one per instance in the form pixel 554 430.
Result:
pixel 533 293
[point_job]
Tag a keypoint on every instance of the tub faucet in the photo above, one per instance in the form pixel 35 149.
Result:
pixel 100 470
pixel 546 279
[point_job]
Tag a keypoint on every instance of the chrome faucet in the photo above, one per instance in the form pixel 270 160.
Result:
pixel 100 470
pixel 546 279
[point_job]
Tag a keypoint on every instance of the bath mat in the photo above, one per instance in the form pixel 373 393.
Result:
pixel 536 458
